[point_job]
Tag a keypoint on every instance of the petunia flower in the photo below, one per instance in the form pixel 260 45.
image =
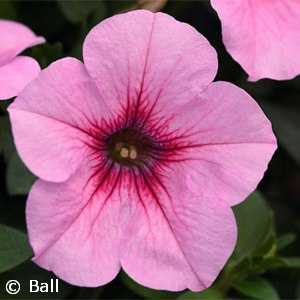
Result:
pixel 139 156
pixel 16 71
pixel 263 36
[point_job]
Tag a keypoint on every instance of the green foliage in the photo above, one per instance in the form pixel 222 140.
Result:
pixel 14 248
pixel 19 179
pixel 7 10
pixel 208 294
pixel 118 6
pixel 285 240
pixel 286 124
pixel 144 291
pixel 257 288
pixel 270 263
pixel 6 141
pixel 45 54
pixel 255 225
pixel 293 262
pixel 76 11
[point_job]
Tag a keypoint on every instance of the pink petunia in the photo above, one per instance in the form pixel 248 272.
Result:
pixel 140 156
pixel 263 36
pixel 16 71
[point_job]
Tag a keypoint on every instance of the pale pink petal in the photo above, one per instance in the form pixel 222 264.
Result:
pixel 107 217
pixel 166 219
pixel 54 119
pixel 15 75
pixel 73 233
pixel 15 38
pixel 177 240
pixel 263 36
pixel 223 140
pixel 140 58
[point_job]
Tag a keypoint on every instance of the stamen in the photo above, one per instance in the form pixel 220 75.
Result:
pixel 124 152
pixel 131 147
pixel 132 152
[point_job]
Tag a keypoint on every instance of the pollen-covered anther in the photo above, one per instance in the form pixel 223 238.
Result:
pixel 132 152
pixel 124 152
pixel 131 147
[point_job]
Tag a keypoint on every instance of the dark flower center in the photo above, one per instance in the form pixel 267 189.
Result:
pixel 130 146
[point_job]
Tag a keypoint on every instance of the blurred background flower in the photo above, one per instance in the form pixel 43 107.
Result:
pixel 16 71
pixel 265 263
pixel 263 36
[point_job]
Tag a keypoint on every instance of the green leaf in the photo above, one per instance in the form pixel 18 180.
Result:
pixel 210 293
pixel 145 292
pixel 7 10
pixel 267 248
pixel 238 267
pixel 99 13
pixel 18 178
pixel 14 248
pixel 115 7
pixel 257 288
pixel 75 11
pixel 46 53
pixel 255 225
pixel 286 125
pixel 279 262
pixel 272 263
pixel 6 140
pixel 285 240
pixel 292 262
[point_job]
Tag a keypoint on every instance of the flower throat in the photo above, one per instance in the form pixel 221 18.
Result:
pixel 130 147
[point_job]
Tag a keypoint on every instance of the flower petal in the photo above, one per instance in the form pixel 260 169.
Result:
pixel 223 140
pixel 139 58
pixel 15 38
pixel 262 36
pixel 66 234
pixel 15 75
pixel 106 217
pixel 54 119
pixel 177 240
